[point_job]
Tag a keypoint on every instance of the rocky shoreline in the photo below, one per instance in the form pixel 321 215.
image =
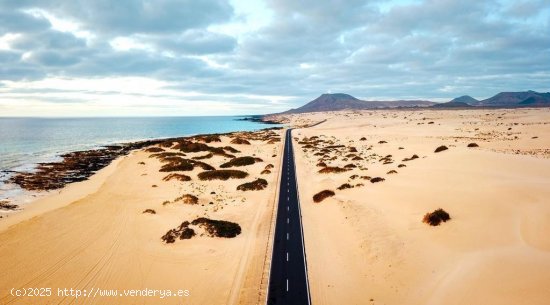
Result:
pixel 75 167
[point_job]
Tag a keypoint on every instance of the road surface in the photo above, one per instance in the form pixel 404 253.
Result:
pixel 288 282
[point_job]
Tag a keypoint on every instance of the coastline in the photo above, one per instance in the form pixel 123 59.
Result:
pixel 105 216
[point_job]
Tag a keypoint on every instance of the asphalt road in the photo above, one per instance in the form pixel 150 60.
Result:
pixel 288 282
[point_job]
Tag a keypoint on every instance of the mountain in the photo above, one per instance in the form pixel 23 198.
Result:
pixel 342 101
pixel 452 104
pixel 511 99
pixel 465 99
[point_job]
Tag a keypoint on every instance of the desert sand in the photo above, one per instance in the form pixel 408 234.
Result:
pixel 95 234
pixel 368 245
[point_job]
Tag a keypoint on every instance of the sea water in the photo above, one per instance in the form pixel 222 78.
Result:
pixel 24 142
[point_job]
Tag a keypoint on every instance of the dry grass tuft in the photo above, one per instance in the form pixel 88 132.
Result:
pixel 256 185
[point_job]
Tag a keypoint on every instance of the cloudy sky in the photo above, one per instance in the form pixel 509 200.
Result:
pixel 216 57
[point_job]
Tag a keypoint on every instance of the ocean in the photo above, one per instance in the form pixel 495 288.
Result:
pixel 24 142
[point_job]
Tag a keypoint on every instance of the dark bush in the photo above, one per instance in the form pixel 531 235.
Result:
pixel 223 174
pixel 322 164
pixel 218 228
pixel 441 148
pixel 256 185
pixel 231 149
pixel 473 145
pixel 241 161
pixel 150 211
pixel 187 199
pixel 179 177
pixel 382 142
pixel 351 165
pixel 345 186
pixel 207 156
pixel 177 165
pixel 269 166
pixel 363 139
pixel 436 217
pixel 331 169
pixel 411 158
pixel 392 172
pixel 240 141
pixel 401 165
pixel 265 172
pixel 154 149
pixel 322 195
pixel 377 179
pixel 187 233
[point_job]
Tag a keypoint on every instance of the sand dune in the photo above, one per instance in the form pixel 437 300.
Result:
pixel 97 236
pixel 368 245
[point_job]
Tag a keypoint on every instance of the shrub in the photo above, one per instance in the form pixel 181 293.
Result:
pixel 322 195
pixel 187 199
pixel 352 149
pixel 357 158
pixel 411 158
pixel 401 165
pixel 392 172
pixel 223 174
pixel 179 177
pixel 256 185
pixel 177 165
pixel 241 161
pixel 191 147
pixel 441 148
pixel 154 149
pixel 218 228
pixel 345 186
pixel 382 142
pixel 331 169
pixel 187 233
pixel 231 149
pixel 150 211
pixel 377 179
pixel 208 138
pixel 265 172
pixel 269 166
pixel 207 156
pixel 240 141
pixel 322 164
pixel 473 145
pixel 351 165
pixel 436 217
pixel 363 139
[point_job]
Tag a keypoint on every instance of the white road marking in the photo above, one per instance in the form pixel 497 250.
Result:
pixel 286 284
pixel 287 236
pixel 287 207
pixel 287 256
pixel 287 220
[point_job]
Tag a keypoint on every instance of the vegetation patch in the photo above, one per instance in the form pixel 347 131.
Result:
pixel 411 158
pixel 441 148
pixel 241 161
pixel 154 149
pixel 149 211
pixel 240 141
pixel 345 186
pixel 322 164
pixel 187 199
pixel 265 172
pixel 473 145
pixel 322 195
pixel 436 217
pixel 256 185
pixel 175 176
pixel 218 228
pixel 401 165
pixel 222 174
pixel 332 169
pixel 177 164
pixel 231 149
pixel 393 171
pixel 207 156
pixel 377 179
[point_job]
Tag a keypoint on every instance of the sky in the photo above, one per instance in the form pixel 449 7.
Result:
pixel 216 57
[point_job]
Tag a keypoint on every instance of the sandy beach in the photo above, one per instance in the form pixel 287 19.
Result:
pixel 367 244
pixel 105 233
